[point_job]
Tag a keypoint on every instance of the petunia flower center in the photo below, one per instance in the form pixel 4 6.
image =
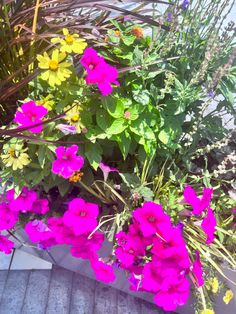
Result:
pixel 82 214
pixel 69 39
pixel 75 118
pixel 91 66
pixel 53 65
pixel 33 118
pixel 151 218
pixel 65 157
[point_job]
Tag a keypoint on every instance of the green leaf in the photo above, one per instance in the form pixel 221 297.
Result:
pixel 95 133
pixel 138 56
pixel 114 108
pixel 140 127
pixel 164 136
pixel 128 40
pixel 130 179
pixel 42 155
pixel 229 96
pixel 141 96
pixel 118 25
pixel 124 141
pixel 117 126
pixel 63 188
pixel 93 152
pixel 146 193
pixel 103 119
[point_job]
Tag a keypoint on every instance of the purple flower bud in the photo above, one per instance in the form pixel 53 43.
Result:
pixel 169 17
pixel 67 129
pixel 106 170
pixel 211 93
pixel 185 4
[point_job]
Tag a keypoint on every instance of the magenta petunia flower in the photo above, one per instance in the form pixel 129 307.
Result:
pixel 135 281
pixel 127 253
pixel 67 162
pixel 197 270
pixel 40 206
pixel 81 216
pixel 198 204
pixel 82 247
pixel 61 233
pixel 136 235
pixel 38 231
pixel 173 251
pixel 23 202
pixel 209 225
pixel 152 277
pixel 103 272
pixel 121 238
pixel 29 114
pixel 8 218
pixel 6 245
pixel 98 71
pixel 152 220
pixel 106 170
pixel 176 294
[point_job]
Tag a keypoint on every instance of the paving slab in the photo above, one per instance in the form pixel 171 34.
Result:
pixel 14 292
pixel 60 291
pixel 36 296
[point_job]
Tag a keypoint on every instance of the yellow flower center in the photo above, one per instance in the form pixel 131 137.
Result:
pixel 69 39
pixel 75 118
pixel 53 65
pixel 12 152
pixel 117 33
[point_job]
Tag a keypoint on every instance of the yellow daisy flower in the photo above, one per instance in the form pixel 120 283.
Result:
pixel 55 68
pixel 228 296
pixel 47 102
pixel 215 285
pixel 208 311
pixel 70 42
pixel 14 156
pixel 73 117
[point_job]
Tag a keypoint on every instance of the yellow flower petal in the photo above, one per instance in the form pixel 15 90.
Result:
pixel 45 75
pixel 55 40
pixel 55 55
pixel 65 64
pixel 66 48
pixel 228 296
pixel 208 311
pixel 65 31
pixel 61 56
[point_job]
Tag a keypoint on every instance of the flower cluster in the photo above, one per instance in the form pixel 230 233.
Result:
pixel 98 71
pixel 199 205
pixel 155 254
pixel 27 201
pixel 75 229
